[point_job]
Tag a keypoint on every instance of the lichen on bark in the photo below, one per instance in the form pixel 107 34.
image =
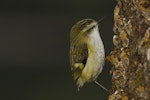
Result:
pixel 131 55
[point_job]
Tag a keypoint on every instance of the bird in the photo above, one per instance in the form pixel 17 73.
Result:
pixel 87 53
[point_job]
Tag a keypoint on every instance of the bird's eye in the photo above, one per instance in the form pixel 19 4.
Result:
pixel 90 28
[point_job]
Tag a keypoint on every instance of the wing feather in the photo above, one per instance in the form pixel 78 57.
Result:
pixel 78 55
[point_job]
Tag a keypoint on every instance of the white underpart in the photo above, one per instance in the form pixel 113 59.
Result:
pixel 96 58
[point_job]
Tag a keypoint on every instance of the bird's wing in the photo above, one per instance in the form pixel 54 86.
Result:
pixel 78 59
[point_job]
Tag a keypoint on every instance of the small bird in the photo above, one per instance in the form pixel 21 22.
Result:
pixel 87 54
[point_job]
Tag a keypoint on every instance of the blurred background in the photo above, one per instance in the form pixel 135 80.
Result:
pixel 34 48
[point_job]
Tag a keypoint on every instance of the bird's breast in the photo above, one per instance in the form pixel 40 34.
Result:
pixel 96 56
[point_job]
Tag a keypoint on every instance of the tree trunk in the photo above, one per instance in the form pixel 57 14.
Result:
pixel 131 55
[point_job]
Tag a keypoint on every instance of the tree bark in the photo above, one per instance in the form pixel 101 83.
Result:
pixel 131 55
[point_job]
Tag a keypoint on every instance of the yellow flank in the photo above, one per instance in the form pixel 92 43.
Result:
pixel 90 50
pixel 79 65
pixel 87 72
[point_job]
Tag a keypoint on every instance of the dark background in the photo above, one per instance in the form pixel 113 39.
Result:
pixel 34 48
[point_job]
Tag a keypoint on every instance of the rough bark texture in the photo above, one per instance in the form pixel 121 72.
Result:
pixel 131 54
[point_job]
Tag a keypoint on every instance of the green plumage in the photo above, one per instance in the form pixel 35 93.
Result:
pixel 78 58
pixel 86 52
pixel 78 47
